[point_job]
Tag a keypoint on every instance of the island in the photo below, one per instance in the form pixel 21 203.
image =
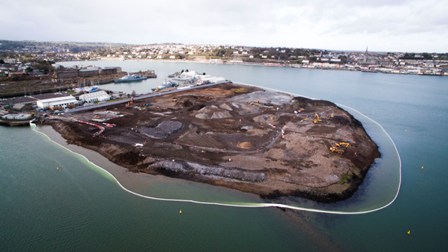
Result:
pixel 237 136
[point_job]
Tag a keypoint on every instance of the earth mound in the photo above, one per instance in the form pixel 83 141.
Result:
pixel 242 137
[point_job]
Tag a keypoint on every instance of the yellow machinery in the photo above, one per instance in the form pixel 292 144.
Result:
pixel 340 147
pixel 316 119
pixel 344 144
pixel 336 150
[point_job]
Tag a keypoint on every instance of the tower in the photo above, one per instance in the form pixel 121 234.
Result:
pixel 366 54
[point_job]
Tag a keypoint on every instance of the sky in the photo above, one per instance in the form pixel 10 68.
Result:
pixel 380 25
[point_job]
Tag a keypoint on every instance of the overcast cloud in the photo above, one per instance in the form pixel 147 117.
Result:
pixel 382 25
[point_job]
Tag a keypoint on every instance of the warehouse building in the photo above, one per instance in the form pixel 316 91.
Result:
pixel 95 97
pixel 57 102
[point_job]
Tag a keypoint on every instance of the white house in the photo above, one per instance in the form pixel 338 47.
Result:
pixel 95 97
pixel 51 103
pixel 335 60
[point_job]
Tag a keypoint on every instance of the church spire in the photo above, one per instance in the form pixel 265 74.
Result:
pixel 366 55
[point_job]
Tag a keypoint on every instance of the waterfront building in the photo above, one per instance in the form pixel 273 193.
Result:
pixel 110 70
pixel 89 72
pixel 53 103
pixel 95 97
pixel 67 73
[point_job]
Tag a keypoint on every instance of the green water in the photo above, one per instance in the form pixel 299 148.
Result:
pixel 79 208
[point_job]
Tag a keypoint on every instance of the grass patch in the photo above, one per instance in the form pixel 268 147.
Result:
pixel 346 178
pixel 240 90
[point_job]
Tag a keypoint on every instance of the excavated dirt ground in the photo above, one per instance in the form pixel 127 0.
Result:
pixel 236 136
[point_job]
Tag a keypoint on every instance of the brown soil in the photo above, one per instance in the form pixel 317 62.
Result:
pixel 236 136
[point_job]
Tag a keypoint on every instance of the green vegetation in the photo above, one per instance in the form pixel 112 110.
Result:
pixel 240 90
pixel 44 66
pixel 346 178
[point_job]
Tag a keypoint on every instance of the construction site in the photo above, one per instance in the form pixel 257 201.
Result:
pixel 242 137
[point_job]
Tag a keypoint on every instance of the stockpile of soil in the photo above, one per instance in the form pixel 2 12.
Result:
pixel 163 130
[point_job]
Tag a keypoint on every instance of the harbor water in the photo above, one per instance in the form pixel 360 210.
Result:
pixel 53 199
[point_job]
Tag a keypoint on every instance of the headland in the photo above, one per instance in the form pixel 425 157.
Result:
pixel 242 137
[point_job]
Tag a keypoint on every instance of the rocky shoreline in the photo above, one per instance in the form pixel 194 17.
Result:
pixel 241 137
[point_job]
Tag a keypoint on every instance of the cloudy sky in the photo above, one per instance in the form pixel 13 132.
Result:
pixel 382 25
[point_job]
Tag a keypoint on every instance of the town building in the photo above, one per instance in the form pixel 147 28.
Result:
pixel 110 70
pixel 67 73
pixel 89 72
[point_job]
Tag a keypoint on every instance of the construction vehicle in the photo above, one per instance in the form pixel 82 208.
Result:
pixel 336 150
pixel 340 147
pixel 343 144
pixel 130 102
pixel 316 119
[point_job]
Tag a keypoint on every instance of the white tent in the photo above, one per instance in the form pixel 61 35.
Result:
pixel 95 97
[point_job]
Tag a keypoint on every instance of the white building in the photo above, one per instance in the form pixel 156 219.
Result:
pixel 95 97
pixel 51 103
pixel 10 61
pixel 335 60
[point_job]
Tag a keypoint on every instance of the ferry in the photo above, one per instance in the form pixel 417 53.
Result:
pixel 130 78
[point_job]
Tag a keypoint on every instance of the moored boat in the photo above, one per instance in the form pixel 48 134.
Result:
pixel 130 78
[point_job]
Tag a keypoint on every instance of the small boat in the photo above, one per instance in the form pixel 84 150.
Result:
pixel 130 78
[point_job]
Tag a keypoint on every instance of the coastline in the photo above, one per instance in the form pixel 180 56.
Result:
pixel 264 138
pixel 299 220
pixel 357 208
pixel 393 101
pixel 127 179
pixel 265 64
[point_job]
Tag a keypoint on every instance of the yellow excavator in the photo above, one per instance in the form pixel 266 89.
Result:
pixel 316 119
pixel 336 150
pixel 343 144
pixel 340 147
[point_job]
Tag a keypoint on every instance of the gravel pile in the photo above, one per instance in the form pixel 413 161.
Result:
pixel 163 130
